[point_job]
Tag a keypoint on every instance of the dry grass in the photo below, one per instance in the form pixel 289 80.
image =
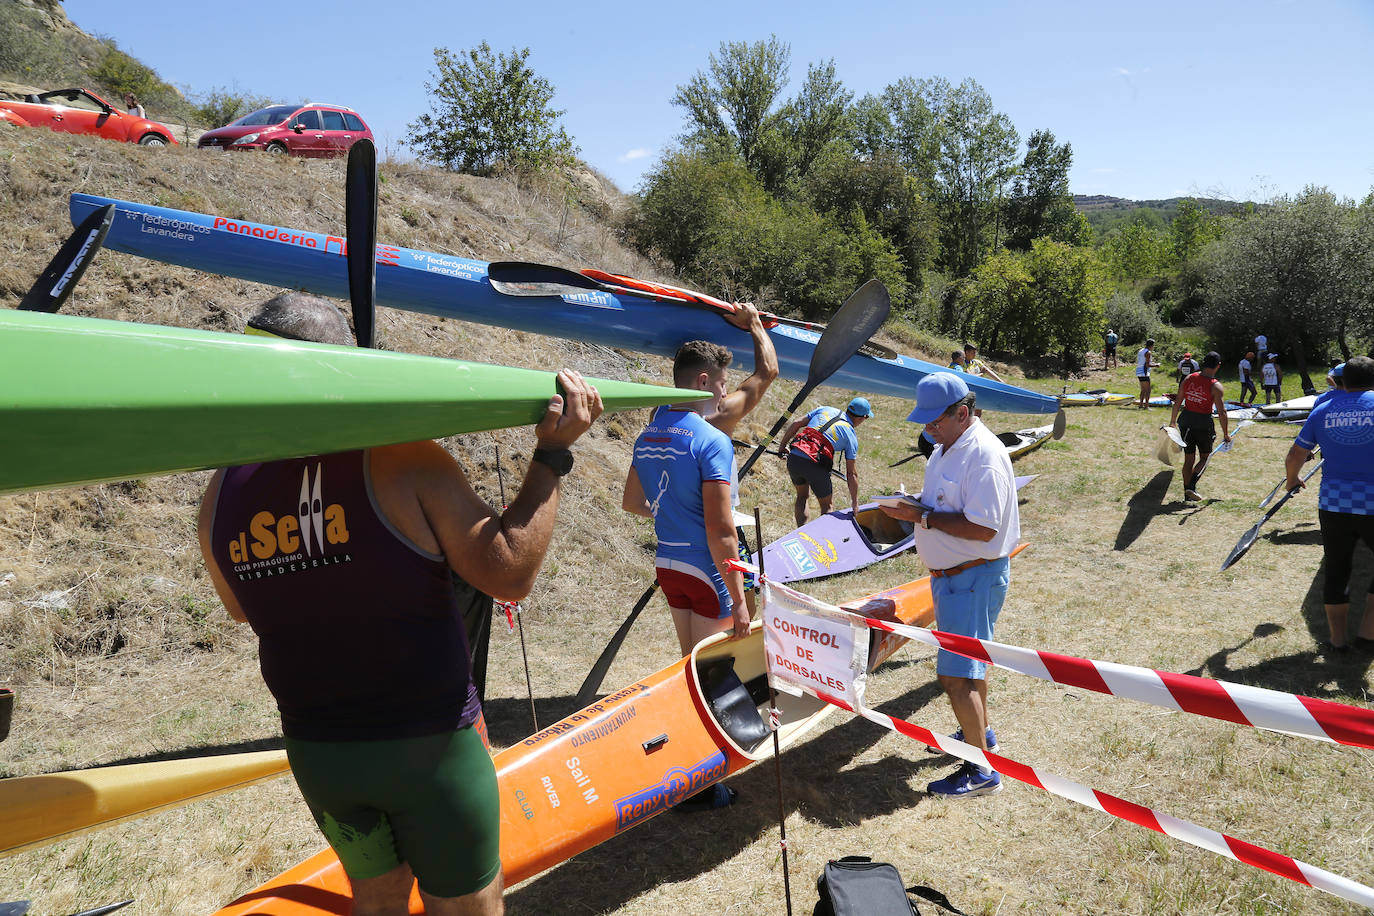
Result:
pixel 111 632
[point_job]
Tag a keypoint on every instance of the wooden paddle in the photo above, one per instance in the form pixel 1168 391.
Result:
pixel 360 225
pixel 860 316
pixel 520 278
pixel 1247 540
pixel 55 284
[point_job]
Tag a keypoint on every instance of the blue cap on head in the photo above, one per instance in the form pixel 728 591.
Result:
pixel 860 407
pixel 1337 371
pixel 935 393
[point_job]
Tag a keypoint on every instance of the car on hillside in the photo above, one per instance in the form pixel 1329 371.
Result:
pixel 81 111
pixel 311 129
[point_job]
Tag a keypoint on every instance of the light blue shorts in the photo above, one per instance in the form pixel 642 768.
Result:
pixel 968 604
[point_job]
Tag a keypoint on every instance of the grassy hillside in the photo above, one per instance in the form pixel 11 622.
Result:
pixel 1106 214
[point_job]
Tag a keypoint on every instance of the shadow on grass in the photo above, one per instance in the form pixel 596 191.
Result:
pixel 678 847
pixel 1314 673
pixel 1147 502
pixel 1305 534
pixel 275 743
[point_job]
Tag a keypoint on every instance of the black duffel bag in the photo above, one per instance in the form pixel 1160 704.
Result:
pixel 858 886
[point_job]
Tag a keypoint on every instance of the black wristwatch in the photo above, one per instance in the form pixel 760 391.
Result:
pixel 558 460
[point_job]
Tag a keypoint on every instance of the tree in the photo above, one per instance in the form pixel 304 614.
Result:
pixel 1287 270
pixel 817 117
pixel 730 106
pixel 1137 252
pixel 977 157
pixel 1040 203
pixel 489 112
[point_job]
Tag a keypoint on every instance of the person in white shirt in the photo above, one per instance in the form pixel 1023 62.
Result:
pixel 1142 372
pixel 967 525
pixel 1247 378
pixel 134 108
pixel 1262 348
pixel 1273 379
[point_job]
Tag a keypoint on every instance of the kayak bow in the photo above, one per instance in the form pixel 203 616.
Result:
pixel 121 400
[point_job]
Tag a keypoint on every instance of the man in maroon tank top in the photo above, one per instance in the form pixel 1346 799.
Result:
pixel 354 569
pixel 1198 396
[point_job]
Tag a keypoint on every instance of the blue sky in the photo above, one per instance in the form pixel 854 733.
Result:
pixel 1242 100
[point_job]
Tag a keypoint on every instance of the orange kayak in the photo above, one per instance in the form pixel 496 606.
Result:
pixel 622 760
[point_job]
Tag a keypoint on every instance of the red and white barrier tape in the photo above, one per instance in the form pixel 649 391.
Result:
pixel 1220 843
pixel 1258 707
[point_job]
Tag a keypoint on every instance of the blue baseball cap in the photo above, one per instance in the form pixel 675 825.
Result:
pixel 935 393
pixel 860 407
pixel 1337 371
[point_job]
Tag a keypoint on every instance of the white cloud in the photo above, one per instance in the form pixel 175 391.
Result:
pixel 638 152
pixel 1122 71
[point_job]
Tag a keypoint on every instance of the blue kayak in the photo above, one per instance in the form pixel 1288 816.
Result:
pixel 453 287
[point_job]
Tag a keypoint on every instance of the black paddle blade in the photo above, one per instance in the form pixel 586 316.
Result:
pixel 14 908
pixel 521 278
pixel 862 314
pixel 55 284
pixel 1247 540
pixel 360 225
pixel 1061 422
pixel 587 692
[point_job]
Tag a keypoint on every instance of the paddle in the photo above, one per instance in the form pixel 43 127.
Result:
pixel 1268 499
pixel 862 314
pixel 360 225
pixel 1247 540
pixel 55 284
pixel 523 279
pixel 107 908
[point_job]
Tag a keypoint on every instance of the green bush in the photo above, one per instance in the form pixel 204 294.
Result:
pixel 219 106
pixel 1134 320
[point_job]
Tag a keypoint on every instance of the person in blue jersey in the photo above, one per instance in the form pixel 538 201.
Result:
pixel 1343 426
pixel 355 569
pixel 810 445
pixel 680 476
pixel 956 361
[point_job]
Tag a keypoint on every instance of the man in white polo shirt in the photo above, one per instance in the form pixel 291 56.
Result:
pixel 967 525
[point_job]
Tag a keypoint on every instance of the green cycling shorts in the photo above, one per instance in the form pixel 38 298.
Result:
pixel 430 802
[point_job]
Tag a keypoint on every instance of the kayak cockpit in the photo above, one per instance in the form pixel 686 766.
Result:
pixel 730 679
pixel 882 532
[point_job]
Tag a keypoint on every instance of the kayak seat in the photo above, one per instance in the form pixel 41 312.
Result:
pixel 882 531
pixel 731 705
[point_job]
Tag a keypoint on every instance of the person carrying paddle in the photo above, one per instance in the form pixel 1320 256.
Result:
pixel 810 445
pixel 1342 425
pixel 1143 365
pixel 967 524
pixel 1198 396
pixel 353 570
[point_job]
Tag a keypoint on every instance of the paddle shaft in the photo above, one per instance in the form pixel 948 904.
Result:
pixel 1247 540
pixel 587 692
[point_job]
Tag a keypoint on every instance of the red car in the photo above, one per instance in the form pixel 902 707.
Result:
pixel 312 129
pixel 81 111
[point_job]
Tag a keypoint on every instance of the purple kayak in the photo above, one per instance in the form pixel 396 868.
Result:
pixel 836 543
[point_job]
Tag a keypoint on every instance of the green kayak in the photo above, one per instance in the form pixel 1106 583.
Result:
pixel 85 401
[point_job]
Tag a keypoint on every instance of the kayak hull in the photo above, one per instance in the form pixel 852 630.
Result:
pixel 453 287
pixel 159 400
pixel 618 762
pixel 1025 441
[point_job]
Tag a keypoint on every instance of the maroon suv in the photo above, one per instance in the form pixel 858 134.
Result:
pixel 311 129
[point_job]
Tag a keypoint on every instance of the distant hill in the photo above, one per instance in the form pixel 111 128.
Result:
pixel 1106 214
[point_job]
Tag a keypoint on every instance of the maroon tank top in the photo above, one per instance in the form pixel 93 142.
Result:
pixel 361 632
pixel 1197 393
